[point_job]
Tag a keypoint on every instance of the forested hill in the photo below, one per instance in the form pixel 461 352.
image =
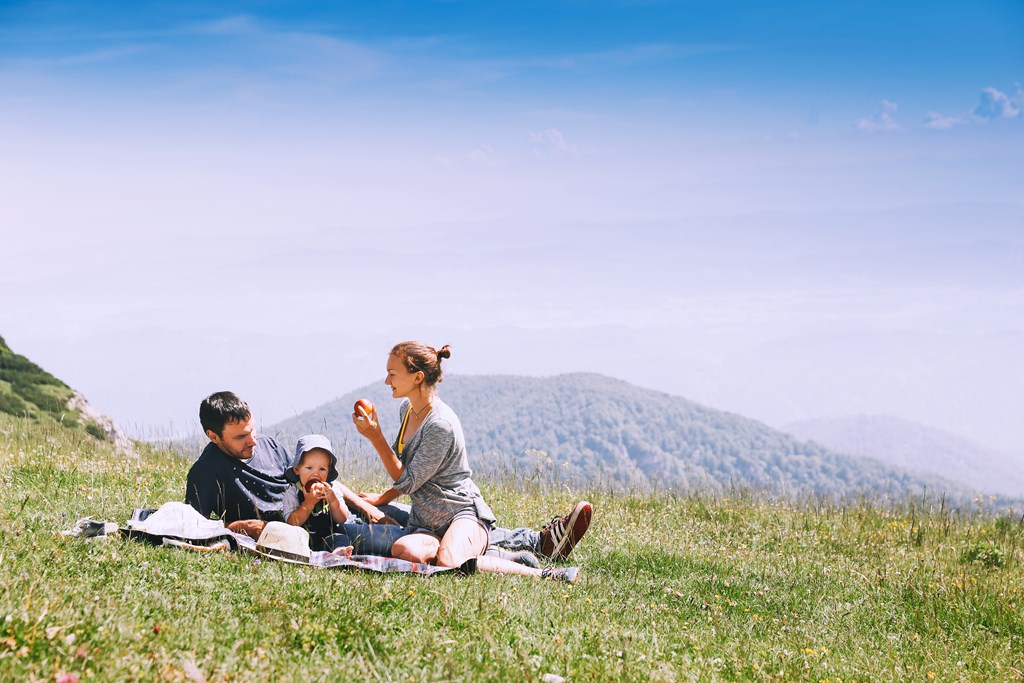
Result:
pixel 588 427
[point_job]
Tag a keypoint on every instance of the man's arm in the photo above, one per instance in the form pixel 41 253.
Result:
pixel 203 492
pixel 250 527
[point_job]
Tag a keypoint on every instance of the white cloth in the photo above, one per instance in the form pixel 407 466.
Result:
pixel 178 519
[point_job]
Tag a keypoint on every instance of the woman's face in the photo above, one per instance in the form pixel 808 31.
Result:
pixel 402 382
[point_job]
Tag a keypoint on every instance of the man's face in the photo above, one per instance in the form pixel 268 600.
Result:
pixel 237 439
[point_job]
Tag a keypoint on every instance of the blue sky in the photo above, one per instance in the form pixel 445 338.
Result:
pixel 265 196
pixel 689 57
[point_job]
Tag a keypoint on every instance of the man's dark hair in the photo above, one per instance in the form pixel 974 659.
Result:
pixel 218 409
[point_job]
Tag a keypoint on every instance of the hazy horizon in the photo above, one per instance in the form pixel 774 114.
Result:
pixel 787 212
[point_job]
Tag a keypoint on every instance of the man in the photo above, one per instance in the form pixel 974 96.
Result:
pixel 239 477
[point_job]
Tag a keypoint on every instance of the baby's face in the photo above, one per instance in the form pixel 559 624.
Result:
pixel 315 464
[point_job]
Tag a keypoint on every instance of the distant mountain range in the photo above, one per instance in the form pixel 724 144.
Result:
pixel 595 429
pixel 913 446
pixel 27 390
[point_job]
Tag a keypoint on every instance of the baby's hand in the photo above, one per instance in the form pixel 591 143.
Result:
pixel 331 496
pixel 342 552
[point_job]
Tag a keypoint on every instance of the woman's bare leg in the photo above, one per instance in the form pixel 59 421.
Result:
pixel 496 565
pixel 464 539
pixel 422 548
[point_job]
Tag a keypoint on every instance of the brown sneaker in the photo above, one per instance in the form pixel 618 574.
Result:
pixel 559 537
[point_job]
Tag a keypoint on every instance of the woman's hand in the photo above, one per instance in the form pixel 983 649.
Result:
pixel 371 498
pixel 367 425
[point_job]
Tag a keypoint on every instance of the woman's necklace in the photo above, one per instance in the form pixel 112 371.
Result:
pixel 421 412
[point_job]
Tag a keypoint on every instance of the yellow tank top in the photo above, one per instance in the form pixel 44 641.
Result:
pixel 401 432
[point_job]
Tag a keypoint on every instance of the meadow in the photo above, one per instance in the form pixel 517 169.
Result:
pixel 735 586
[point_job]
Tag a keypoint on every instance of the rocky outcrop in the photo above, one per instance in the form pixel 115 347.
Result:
pixel 113 432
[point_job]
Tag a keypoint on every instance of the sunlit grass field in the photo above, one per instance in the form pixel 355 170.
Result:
pixel 681 587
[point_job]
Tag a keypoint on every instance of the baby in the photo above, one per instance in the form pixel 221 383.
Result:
pixel 316 499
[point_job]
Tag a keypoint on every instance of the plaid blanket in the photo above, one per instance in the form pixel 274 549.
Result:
pixel 197 533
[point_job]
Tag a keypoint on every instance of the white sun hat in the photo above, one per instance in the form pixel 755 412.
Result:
pixel 284 542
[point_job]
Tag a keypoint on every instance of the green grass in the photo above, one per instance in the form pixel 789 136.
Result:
pixel 674 588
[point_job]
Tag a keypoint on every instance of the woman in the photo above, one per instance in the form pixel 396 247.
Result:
pixel 449 520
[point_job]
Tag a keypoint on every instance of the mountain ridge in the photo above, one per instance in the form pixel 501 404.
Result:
pixel 587 427
pixel 917 447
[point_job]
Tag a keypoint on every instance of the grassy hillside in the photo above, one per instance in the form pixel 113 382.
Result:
pixel 707 587
pixel 601 431
pixel 28 390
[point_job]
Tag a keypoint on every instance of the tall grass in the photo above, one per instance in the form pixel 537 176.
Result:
pixel 712 587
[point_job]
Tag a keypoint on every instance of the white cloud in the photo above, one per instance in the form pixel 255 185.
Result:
pixel 937 121
pixel 550 137
pixel 101 56
pixel 882 120
pixel 237 25
pixel 624 56
pixel 481 156
pixel 317 58
pixel 995 104
pixel 80 59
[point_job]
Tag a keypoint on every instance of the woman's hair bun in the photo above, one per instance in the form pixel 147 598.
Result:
pixel 418 357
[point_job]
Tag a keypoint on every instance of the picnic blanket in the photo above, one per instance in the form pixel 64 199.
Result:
pixel 179 525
